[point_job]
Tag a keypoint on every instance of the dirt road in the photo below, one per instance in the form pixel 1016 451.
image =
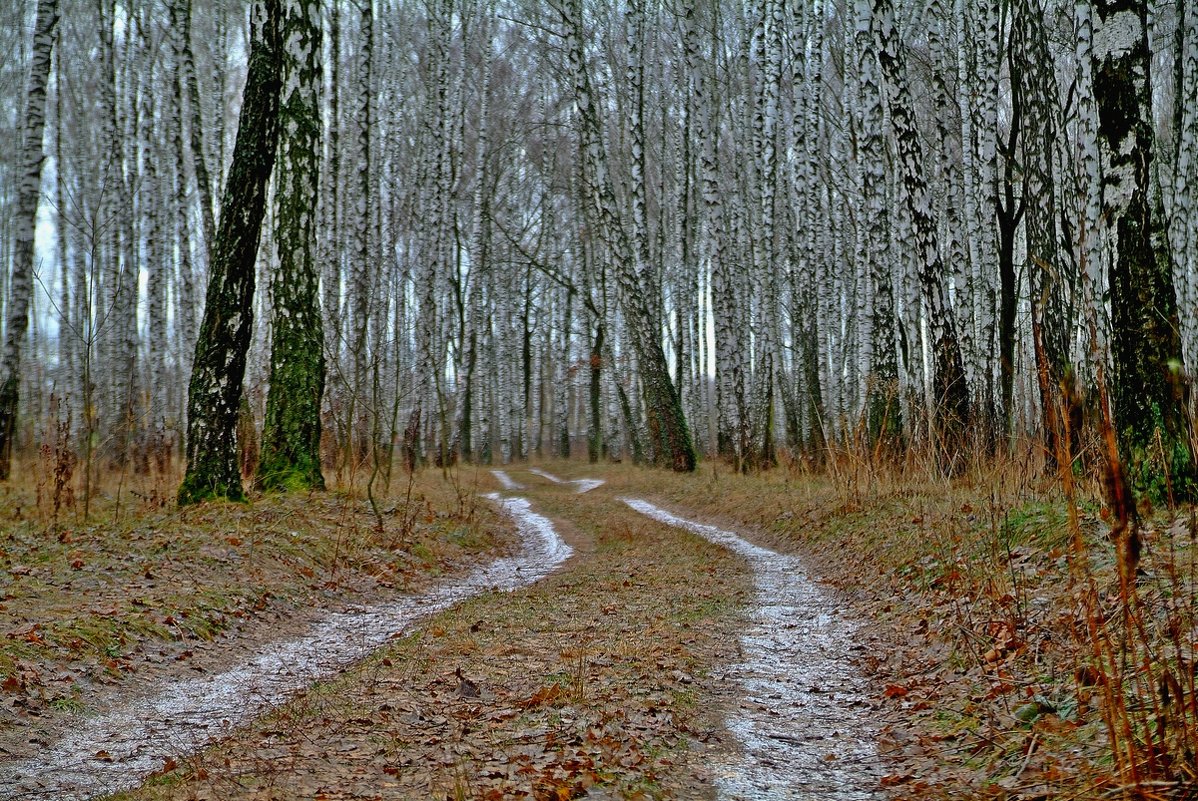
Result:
pixel 624 652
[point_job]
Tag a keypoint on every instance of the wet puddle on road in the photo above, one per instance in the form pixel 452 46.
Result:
pixel 117 749
pixel 801 721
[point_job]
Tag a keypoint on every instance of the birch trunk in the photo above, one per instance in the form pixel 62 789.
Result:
pixel 21 285
pixel 949 388
pixel 883 412
pixel 667 425
pixel 290 457
pixel 1145 345
pixel 215 391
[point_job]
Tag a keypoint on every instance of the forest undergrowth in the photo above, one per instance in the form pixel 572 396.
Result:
pixel 1005 655
pixel 596 682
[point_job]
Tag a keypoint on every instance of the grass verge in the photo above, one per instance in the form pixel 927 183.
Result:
pixel 998 644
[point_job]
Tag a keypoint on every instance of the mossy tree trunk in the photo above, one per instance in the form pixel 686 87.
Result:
pixel 1145 341
pixel 668 432
pixel 291 435
pixel 214 393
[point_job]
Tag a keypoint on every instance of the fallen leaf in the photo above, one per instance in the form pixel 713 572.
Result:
pixel 895 779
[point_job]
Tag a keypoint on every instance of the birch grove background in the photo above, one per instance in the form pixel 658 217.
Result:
pixel 636 230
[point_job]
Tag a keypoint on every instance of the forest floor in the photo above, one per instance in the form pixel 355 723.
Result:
pixel 621 674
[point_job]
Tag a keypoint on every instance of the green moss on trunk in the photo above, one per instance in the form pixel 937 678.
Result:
pixel 214 393
pixel 1145 341
pixel 291 434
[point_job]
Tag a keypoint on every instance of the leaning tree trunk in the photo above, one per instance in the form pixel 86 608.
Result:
pixel 948 380
pixel 1145 344
pixel 291 434
pixel 21 288
pixel 214 394
pixel 667 425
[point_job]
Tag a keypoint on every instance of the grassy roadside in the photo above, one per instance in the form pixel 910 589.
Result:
pixel 597 679
pixel 983 618
pixel 86 608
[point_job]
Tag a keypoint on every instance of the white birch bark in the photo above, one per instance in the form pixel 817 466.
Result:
pixel 21 286
pixel 950 392
pixel 729 406
pixel 668 429
pixel 1184 221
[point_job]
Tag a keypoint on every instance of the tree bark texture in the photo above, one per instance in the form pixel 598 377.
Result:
pixel 291 433
pixel 214 393
pixel 668 431
pixel 21 286
pixel 949 388
pixel 1145 342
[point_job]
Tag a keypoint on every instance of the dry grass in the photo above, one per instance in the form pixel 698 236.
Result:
pixel 1004 654
pixel 137 588
pixel 1004 651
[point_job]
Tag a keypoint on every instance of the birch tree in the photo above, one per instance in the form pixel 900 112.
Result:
pixel 215 389
pixel 1145 344
pixel 1048 281
pixel 667 425
pixel 291 434
pixel 1184 222
pixel 950 392
pixel 882 408
pixel 21 282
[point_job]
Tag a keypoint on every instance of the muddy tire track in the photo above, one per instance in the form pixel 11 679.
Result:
pixel 801 723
